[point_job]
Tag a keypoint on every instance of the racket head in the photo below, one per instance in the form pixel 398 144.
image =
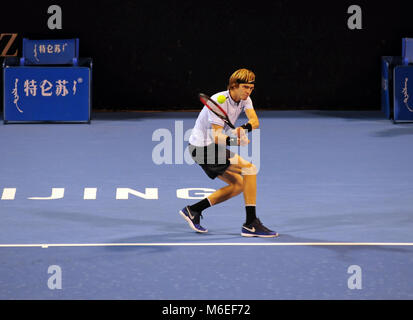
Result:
pixel 215 108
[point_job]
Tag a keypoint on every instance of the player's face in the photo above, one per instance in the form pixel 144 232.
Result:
pixel 244 91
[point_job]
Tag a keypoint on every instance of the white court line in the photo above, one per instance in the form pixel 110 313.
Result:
pixel 183 244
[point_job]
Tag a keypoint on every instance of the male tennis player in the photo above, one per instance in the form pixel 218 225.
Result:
pixel 208 147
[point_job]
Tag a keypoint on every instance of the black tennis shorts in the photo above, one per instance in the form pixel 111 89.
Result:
pixel 213 158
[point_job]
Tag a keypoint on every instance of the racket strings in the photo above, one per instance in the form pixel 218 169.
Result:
pixel 213 107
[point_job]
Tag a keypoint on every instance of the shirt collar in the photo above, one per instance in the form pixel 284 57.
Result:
pixel 236 104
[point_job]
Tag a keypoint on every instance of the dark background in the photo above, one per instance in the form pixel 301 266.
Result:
pixel 157 55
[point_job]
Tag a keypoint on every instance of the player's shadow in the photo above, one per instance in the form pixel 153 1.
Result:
pixel 398 130
pixel 344 252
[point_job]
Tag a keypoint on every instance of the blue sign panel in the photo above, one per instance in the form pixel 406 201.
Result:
pixel 385 81
pixel 45 52
pixel 47 94
pixel 403 91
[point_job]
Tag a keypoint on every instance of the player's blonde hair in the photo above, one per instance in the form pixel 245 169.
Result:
pixel 241 76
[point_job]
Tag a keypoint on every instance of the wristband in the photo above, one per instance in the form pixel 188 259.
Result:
pixel 247 126
pixel 232 141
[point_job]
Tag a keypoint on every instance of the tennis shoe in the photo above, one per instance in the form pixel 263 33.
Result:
pixel 257 229
pixel 193 219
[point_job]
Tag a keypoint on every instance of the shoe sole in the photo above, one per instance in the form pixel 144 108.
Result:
pixel 190 223
pixel 249 235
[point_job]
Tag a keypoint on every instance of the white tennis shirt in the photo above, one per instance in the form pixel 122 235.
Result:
pixel 201 134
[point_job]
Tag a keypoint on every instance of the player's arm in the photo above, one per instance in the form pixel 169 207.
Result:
pixel 218 134
pixel 221 138
pixel 252 119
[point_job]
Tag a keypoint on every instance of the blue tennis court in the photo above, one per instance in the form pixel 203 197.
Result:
pixel 89 199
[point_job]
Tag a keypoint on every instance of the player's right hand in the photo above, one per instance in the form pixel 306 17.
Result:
pixel 243 138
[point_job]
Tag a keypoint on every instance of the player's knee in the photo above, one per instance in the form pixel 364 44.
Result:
pixel 238 187
pixel 249 170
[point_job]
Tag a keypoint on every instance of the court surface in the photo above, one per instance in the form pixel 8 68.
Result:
pixel 337 186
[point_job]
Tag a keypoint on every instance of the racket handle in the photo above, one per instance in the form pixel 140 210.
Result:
pixel 232 141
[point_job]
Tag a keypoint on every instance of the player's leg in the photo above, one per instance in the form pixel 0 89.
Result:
pixel 249 173
pixel 235 187
pixel 214 160
pixel 253 226
pixel 193 213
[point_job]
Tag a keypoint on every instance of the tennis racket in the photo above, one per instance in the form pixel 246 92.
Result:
pixel 215 108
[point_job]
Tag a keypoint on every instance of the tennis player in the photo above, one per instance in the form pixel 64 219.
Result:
pixel 208 147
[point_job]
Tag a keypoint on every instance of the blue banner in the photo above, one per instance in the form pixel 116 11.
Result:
pixel 385 81
pixel 45 52
pixel 403 90
pixel 47 94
